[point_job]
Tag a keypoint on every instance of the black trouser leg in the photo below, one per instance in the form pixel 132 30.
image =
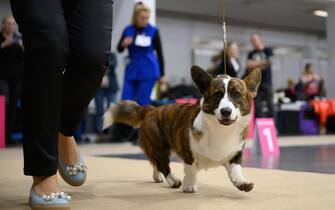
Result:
pixel 44 36
pixel 89 25
pixel 258 104
pixel 45 33
pixel 264 94
pixel 269 102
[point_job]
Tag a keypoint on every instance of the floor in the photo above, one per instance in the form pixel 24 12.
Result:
pixel 125 183
pixel 300 155
pixel 320 159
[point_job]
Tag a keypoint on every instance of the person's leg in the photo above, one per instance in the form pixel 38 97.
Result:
pixel 89 25
pixel 128 91
pixel 113 89
pixel 105 98
pixel 99 105
pixel 144 91
pixel 269 101
pixel 110 97
pixel 258 103
pixel 13 98
pixel 5 90
pixel 46 46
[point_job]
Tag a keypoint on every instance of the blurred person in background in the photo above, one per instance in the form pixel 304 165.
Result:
pixel 232 61
pixel 65 44
pixel 108 90
pixel 260 57
pixel 310 81
pixel 146 63
pixel 11 63
pixel 290 91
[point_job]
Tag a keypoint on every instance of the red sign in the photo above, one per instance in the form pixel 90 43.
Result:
pixel 266 137
pixel 2 121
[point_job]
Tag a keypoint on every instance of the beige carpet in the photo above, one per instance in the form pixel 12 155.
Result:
pixel 126 184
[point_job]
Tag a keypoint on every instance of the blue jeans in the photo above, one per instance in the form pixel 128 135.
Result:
pixel 110 96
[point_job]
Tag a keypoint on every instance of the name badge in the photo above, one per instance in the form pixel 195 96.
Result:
pixel 142 40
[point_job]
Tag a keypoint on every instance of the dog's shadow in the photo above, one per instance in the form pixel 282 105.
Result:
pixel 150 193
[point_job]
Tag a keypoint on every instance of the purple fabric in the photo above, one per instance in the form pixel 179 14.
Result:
pixel 308 126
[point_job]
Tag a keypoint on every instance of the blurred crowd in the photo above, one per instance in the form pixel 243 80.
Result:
pixel 11 61
pixel 309 86
pixel 145 72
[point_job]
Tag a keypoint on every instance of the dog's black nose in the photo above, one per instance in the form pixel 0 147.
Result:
pixel 225 112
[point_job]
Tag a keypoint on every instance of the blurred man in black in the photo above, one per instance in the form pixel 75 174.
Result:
pixel 260 58
pixel 11 60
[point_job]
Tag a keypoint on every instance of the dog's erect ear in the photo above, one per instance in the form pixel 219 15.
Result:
pixel 201 78
pixel 252 81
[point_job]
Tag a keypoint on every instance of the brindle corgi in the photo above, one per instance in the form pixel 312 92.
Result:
pixel 203 136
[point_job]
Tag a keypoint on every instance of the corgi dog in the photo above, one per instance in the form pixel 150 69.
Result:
pixel 207 135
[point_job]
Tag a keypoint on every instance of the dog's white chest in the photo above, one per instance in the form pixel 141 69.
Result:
pixel 212 150
pixel 218 144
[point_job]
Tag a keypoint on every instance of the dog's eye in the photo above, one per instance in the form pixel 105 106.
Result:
pixel 218 95
pixel 236 94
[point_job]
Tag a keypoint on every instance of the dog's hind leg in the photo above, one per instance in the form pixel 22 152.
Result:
pixel 173 181
pixel 158 152
pixel 162 159
pixel 157 176
pixel 161 163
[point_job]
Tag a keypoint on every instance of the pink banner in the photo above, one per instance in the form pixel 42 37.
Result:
pixel 267 136
pixel 186 101
pixel 2 121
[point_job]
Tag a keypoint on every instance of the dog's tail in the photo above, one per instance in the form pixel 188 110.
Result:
pixel 127 112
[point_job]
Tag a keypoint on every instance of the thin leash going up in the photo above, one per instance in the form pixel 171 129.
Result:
pixel 224 39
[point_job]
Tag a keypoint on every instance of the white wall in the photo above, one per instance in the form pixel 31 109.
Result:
pixel 4 8
pixel 177 36
pixel 177 47
pixel 122 13
pixel 331 50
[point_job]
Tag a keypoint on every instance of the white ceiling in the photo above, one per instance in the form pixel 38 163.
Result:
pixel 291 14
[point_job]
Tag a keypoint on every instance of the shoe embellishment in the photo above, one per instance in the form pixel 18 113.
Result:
pixel 76 168
pixel 57 195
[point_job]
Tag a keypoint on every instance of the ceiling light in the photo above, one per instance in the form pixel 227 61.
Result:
pixel 320 13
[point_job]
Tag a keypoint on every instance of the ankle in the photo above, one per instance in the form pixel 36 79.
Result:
pixel 67 149
pixel 45 185
pixel 64 139
pixel 39 179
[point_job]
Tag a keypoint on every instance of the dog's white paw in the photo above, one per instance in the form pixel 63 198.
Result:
pixel 190 188
pixel 173 181
pixel 157 176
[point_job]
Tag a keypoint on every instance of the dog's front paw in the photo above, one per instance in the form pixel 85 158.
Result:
pixel 190 188
pixel 245 186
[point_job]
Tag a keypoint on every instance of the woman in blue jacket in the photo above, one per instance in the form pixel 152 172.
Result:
pixel 145 66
